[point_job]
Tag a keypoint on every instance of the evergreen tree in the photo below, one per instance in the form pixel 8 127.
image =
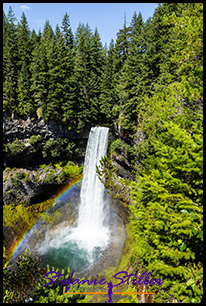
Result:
pixel 10 84
pixel 25 101
pixel 10 61
pixel 121 47
pixel 24 48
pixel 39 78
pixel 48 39
pixel 47 32
pixel 188 56
pixel 121 52
pixel 61 92
pixel 82 45
pixel 57 33
pixel 11 35
pixel 39 36
pixel 97 62
pixel 33 40
pixel 67 32
pixel 81 81
pixel 156 42
pixel 134 74
pixel 162 44
pixel 108 97
pixel 168 202
pixel 43 61
pixel 5 25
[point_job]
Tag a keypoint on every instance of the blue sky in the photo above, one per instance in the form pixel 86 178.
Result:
pixel 107 17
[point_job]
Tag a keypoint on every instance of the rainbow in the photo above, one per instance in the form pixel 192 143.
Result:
pixel 17 246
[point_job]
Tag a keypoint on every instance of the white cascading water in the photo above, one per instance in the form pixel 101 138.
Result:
pixel 91 231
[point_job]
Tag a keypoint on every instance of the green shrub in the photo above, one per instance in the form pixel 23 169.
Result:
pixel 27 179
pixel 81 168
pixel 57 146
pixel 118 146
pixel 15 182
pixel 27 280
pixel 115 145
pixel 20 175
pixel 33 140
pixel 16 287
pixel 70 171
pixel 16 146
pixel 5 148
pixel 50 177
pixel 58 165
pixel 7 169
pixel 43 166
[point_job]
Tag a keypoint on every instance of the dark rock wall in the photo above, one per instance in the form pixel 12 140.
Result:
pixel 22 127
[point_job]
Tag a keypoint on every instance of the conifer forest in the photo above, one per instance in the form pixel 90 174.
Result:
pixel 148 85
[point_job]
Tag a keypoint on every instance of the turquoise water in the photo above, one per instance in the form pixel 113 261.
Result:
pixel 69 255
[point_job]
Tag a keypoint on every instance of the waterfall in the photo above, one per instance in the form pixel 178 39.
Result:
pixel 91 215
pixel 83 244
pixel 91 230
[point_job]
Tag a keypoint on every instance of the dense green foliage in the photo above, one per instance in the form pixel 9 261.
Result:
pixel 167 193
pixel 51 149
pixel 15 147
pixel 74 78
pixel 56 146
pixel 149 81
pixel 168 202
pixel 34 140
pixel 25 284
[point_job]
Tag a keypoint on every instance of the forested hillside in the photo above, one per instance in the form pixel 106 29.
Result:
pixel 72 77
pixel 150 80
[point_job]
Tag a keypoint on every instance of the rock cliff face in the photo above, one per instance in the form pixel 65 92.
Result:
pixel 22 127
pixel 33 188
pixel 121 159
pixel 37 184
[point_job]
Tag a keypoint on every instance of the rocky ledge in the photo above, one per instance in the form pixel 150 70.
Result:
pixel 25 137
pixel 24 126
pixel 33 186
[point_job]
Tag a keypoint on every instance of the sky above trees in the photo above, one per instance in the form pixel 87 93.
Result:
pixel 107 17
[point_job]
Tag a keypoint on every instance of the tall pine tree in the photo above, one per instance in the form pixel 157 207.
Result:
pixel 67 32
pixel 10 61
pixel 24 49
pixel 121 52
pixel 25 101
pixel 61 89
pixel 135 78
pixel 82 45
pixel 97 62
pixel 39 78
pixel 108 98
